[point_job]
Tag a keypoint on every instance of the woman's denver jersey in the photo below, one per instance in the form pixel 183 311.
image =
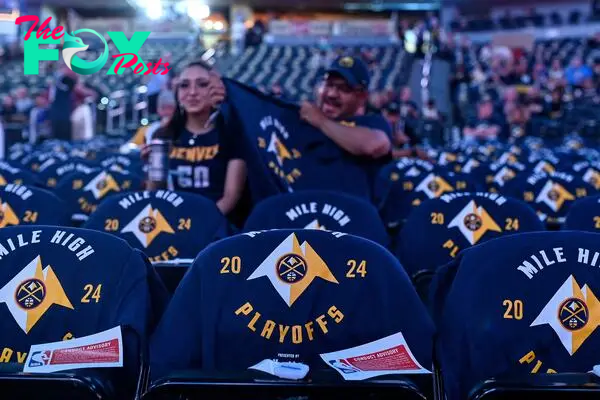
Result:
pixel 198 163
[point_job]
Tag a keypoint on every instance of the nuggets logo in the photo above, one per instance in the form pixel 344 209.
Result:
pixel 447 158
pixel 592 177
pixel 507 158
pixel 554 195
pixel 278 148
pixel 292 259
pixel 544 166
pixel 101 185
pixel 272 142
pixel 470 166
pixel 473 222
pixel 31 293
pixel 573 313
pixel 291 268
pixel 504 175
pixel 7 215
pixel 434 186
pixel 147 225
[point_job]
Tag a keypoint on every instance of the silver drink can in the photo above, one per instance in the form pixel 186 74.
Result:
pixel 158 161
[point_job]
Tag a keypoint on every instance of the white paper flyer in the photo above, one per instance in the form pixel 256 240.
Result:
pixel 101 350
pixel 386 356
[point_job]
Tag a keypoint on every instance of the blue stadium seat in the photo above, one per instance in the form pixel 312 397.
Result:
pixel 589 171
pixel 28 205
pixel 439 229
pixel 293 69
pixel 550 195
pixel 11 173
pixel 408 192
pixel 318 210
pixel 518 305
pixel 165 225
pixel 132 164
pixel 34 160
pixel 55 285
pixel 406 167
pixel 52 171
pixel 498 175
pixel 286 294
pixel 565 386
pixel 584 215
pixel 83 192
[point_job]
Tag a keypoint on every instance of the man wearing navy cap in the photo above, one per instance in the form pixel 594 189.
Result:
pixel 340 114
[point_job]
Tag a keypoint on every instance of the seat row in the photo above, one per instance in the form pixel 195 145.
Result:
pixel 338 304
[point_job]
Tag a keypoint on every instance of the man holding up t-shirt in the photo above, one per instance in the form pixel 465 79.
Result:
pixel 359 144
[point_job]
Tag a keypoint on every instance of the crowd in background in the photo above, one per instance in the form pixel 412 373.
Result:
pixel 507 21
pixel 496 93
pixel 514 89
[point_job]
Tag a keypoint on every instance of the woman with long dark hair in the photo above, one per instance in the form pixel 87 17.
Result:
pixel 204 158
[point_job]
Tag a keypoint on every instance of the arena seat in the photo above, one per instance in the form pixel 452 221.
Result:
pixel 52 171
pixel 393 172
pixel 295 70
pixel 318 209
pixel 584 215
pixel 166 226
pixel 28 205
pixel 11 173
pixel 518 305
pixel 83 192
pixel 498 175
pixel 406 193
pixel 590 172
pixel 129 163
pixel 325 291
pixel 35 159
pixel 550 195
pixel 565 386
pixel 439 229
pixel 56 285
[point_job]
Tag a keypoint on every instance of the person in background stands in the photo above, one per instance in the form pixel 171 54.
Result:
pixel 577 72
pixel 9 110
pixel 39 124
pixel 63 102
pixel 23 102
pixel 165 109
pixel 156 84
pixel 485 126
pixel 82 119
